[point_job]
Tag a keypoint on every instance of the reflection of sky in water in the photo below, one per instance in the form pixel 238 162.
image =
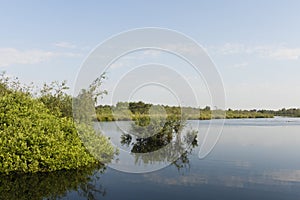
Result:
pixel 141 162
pixel 254 159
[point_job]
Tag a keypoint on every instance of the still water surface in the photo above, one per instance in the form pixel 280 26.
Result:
pixel 254 159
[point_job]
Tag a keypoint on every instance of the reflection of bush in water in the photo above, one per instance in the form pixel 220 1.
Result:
pixel 166 142
pixel 36 186
pixel 183 161
pixel 153 133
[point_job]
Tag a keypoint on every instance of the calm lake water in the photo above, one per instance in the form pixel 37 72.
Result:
pixel 254 159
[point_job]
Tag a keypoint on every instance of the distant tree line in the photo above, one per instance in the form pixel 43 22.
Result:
pixel 135 110
pixel 284 112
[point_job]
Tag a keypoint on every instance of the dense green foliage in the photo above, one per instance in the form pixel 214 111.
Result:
pixel 39 135
pixel 139 107
pixel 32 139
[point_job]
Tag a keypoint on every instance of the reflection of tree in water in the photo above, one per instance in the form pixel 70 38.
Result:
pixel 52 185
pixel 183 161
pixel 161 140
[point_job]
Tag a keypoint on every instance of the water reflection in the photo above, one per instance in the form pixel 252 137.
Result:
pixel 285 175
pixel 53 185
pixel 160 140
pixel 249 162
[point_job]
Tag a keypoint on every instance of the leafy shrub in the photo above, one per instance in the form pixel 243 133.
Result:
pixel 32 139
pixel 56 99
pixel 39 135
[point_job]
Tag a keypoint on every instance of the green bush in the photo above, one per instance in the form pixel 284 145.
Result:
pixel 32 139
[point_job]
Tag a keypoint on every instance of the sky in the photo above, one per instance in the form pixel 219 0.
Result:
pixel 255 45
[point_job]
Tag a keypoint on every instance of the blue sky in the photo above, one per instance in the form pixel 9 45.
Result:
pixel 254 44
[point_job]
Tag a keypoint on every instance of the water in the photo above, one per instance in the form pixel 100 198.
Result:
pixel 254 159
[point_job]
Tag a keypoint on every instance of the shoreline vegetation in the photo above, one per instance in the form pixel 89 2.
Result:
pixel 127 111
pixel 39 134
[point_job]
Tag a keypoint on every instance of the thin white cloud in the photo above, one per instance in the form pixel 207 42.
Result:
pixel 229 49
pixel 11 56
pixel 278 52
pixel 241 65
pixel 65 45
pixel 286 53
pixel 187 48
